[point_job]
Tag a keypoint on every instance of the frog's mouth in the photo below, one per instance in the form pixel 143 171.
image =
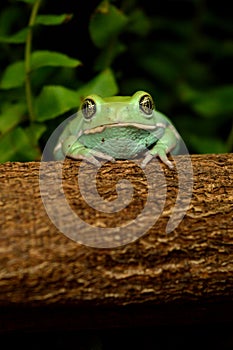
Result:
pixel 101 128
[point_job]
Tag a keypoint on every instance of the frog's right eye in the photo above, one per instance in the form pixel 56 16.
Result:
pixel 88 108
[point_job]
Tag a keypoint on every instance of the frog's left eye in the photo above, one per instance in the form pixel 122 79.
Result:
pixel 146 104
pixel 88 108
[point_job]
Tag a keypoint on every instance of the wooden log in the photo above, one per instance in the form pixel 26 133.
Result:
pixel 157 273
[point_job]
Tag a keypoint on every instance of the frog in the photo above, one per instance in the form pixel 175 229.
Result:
pixel 118 127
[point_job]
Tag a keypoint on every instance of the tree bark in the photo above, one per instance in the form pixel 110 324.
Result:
pixel 192 265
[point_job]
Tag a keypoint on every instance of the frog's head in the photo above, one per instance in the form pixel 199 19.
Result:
pixel 118 111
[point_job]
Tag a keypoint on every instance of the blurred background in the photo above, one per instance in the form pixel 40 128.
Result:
pixel 178 50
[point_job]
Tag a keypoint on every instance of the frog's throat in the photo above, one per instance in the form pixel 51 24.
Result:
pixel 101 128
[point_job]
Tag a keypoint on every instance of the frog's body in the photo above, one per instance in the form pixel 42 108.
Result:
pixel 127 144
pixel 118 128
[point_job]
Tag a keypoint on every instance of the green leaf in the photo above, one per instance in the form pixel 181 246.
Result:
pixel 207 144
pixel 139 23
pixel 106 23
pixel 13 76
pixel 8 17
pixel 34 132
pixel 215 102
pixel 20 36
pixel 51 20
pixel 54 101
pixel 104 84
pixel 11 115
pixel 51 58
pixel 17 38
pixel 16 146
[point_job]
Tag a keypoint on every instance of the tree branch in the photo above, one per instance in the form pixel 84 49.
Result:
pixel 39 266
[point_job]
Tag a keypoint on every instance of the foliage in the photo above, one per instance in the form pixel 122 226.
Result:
pixel 182 58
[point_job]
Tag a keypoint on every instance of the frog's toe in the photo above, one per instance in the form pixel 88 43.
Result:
pixel 102 155
pixel 86 157
pixel 167 162
pixel 146 160
pixel 91 159
pixel 161 154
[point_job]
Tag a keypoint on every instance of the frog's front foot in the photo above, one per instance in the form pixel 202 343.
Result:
pixel 91 156
pixel 75 150
pixel 159 152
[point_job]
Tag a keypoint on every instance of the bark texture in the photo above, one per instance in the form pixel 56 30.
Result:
pixel 40 266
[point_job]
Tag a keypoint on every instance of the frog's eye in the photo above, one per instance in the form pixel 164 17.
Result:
pixel 88 108
pixel 146 104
